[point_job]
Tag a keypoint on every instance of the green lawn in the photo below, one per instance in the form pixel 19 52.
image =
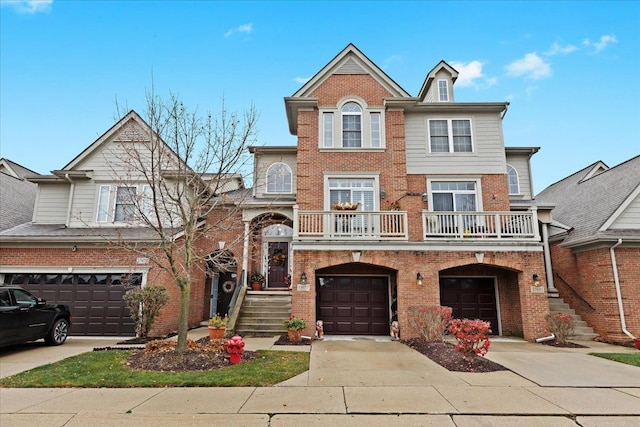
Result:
pixel 628 358
pixel 106 369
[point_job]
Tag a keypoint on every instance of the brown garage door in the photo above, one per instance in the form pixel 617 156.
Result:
pixel 95 300
pixel 471 298
pixel 353 305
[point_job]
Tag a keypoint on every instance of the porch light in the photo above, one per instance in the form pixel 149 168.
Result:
pixel 303 278
pixel 536 280
pixel 419 279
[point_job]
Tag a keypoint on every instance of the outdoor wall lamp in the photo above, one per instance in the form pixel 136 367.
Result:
pixel 383 193
pixel 419 279
pixel 303 278
pixel 536 280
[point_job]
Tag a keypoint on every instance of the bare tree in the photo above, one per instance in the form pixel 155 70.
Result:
pixel 183 162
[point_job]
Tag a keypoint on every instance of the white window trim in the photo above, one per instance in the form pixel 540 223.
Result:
pixel 266 190
pixel 517 180
pixel 477 180
pixel 111 204
pixel 352 175
pixel 365 124
pixel 446 89
pixel 450 135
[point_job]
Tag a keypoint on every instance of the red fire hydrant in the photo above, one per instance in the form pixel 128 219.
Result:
pixel 235 348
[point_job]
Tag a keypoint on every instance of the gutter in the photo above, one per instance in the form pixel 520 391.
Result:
pixel 616 280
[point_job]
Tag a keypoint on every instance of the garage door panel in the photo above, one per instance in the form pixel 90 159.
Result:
pixel 471 298
pixel 354 305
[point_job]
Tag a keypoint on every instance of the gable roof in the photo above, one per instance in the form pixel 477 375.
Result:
pixel 349 61
pixel 14 169
pixel 591 198
pixel 428 81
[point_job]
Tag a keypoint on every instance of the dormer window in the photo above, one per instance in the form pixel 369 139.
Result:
pixel 443 91
pixel 279 178
pixel 514 181
pixel 351 125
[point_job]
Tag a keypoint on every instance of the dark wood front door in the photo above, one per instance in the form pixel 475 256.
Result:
pixel 471 298
pixel 350 305
pixel 278 264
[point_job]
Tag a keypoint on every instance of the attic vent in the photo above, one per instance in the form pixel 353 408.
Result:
pixel 350 67
pixel 129 133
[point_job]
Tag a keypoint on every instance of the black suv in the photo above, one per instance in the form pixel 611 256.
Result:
pixel 25 317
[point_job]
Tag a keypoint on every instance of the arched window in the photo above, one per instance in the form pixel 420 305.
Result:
pixel 514 182
pixel 279 178
pixel 351 125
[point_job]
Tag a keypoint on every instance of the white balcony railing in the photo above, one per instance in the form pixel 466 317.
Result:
pixel 481 225
pixel 349 225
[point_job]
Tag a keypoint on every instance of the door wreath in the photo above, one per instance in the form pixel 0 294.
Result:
pixel 279 257
pixel 228 286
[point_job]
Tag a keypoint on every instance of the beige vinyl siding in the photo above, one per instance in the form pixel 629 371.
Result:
pixel 521 164
pixel 52 203
pixel 84 204
pixel 488 155
pixel 630 218
pixel 263 161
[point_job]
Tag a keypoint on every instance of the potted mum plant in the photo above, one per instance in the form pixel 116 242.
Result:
pixel 256 279
pixel 217 326
pixel 294 326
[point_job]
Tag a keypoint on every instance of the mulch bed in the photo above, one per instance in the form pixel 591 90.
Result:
pixel 565 344
pixel 284 340
pixel 446 355
pixel 202 355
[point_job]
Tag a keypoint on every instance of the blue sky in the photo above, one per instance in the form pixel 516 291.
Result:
pixel 569 69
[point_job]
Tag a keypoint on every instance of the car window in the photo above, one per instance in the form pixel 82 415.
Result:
pixel 5 299
pixel 24 297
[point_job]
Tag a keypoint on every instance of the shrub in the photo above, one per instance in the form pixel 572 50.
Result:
pixel 471 337
pixel 562 325
pixel 430 323
pixel 294 324
pixel 144 305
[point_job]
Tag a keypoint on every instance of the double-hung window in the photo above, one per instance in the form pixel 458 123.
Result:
pixel 443 91
pixel 279 178
pixel 125 208
pixel 450 136
pixel 351 125
pixel 123 203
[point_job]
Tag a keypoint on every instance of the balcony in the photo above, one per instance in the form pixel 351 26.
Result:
pixel 350 225
pixel 481 225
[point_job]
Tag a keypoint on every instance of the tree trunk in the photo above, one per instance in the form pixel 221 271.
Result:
pixel 183 320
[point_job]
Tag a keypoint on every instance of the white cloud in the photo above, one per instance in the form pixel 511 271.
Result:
pixel 556 49
pixel 470 75
pixel 301 80
pixel 246 28
pixel 388 62
pixel 531 66
pixel 600 45
pixel 28 6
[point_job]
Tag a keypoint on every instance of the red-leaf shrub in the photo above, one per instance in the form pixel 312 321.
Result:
pixel 561 325
pixel 471 337
pixel 430 323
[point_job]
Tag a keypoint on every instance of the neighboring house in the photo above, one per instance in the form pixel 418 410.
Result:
pixel 388 202
pixel 17 194
pixel 595 245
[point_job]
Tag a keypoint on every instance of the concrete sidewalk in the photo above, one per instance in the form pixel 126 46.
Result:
pixel 368 382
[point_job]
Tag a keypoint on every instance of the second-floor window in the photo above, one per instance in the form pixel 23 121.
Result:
pixel 514 182
pixel 279 178
pixel 352 190
pixel 454 196
pixel 123 203
pixel 351 125
pixel 450 136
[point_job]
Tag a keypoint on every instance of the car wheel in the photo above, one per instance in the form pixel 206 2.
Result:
pixel 58 333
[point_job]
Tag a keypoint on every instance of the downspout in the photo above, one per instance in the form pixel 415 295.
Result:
pixel 70 204
pixel 245 254
pixel 551 289
pixel 616 280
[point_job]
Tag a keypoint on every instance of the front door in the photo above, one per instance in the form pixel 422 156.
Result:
pixel 278 265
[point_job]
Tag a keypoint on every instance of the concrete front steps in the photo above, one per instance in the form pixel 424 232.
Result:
pixel 262 313
pixel 582 330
